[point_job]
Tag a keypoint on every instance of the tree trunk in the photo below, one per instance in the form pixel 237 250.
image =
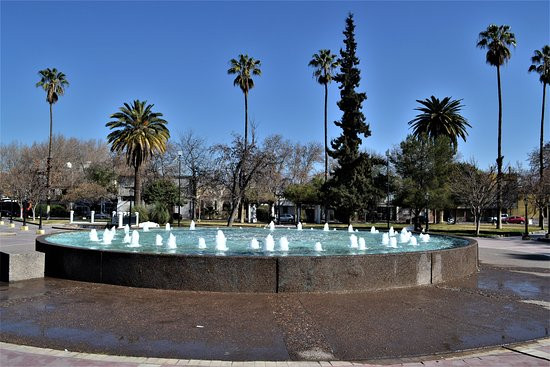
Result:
pixel 49 167
pixel 499 157
pixel 541 156
pixel 478 220
pixel 245 120
pixel 235 204
pixel 137 186
pixel 326 151
pixel 243 212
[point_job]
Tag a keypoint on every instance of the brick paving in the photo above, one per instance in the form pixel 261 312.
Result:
pixel 531 354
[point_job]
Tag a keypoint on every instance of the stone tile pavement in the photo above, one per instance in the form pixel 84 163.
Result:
pixel 536 353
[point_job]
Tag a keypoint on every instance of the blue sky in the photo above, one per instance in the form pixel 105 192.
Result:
pixel 175 55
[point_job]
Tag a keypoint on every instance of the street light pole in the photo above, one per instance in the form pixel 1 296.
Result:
pixel 180 153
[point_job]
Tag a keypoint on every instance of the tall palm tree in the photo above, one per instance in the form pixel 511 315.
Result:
pixel 245 67
pixel 54 83
pixel 541 65
pixel 140 133
pixel 440 118
pixel 497 40
pixel 324 63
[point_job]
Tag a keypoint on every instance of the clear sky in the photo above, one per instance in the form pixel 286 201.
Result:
pixel 176 54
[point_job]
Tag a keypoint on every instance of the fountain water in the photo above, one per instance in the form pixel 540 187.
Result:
pixel 269 244
pixel 134 241
pixel 404 237
pixel 221 241
pixel 362 244
pixel 93 235
pixel 318 247
pixel 167 227
pixel 325 227
pixel 271 226
pixel 254 244
pixel 385 239
pixel 393 242
pixel 158 240
pixel 192 225
pixel 372 230
pixel 202 243
pixel 350 228
pixel 145 228
pixel 391 232
pixel 353 241
pixel 299 226
pixel 127 238
pixel 126 229
pixel 413 241
pixel 283 244
pixel 424 237
pixel 107 237
pixel 172 241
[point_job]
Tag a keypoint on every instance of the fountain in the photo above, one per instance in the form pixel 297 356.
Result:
pixel 317 261
pixel 391 232
pixel 353 241
pixel 271 226
pixel 350 228
pixel 172 241
pixel 107 237
pixel 93 236
pixel 145 227
pixel 269 244
pixel 372 230
pixel 254 244
pixel 299 226
pixel 126 229
pixel 192 225
pixel 134 241
pixel 325 227
pixel 167 227
pixel 221 241
pixel 362 244
pixel 283 244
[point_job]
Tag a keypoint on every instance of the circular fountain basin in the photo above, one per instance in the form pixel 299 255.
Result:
pixel 287 260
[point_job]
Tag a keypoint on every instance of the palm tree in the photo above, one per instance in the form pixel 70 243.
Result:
pixel 54 83
pixel 244 68
pixel 541 65
pixel 497 40
pixel 324 63
pixel 140 133
pixel 440 118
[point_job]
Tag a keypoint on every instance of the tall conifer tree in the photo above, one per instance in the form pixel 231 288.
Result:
pixel 351 186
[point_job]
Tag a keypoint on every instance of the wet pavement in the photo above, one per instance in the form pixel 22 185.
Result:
pixel 507 302
pixel 496 306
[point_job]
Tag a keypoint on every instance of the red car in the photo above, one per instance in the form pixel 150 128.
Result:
pixel 515 219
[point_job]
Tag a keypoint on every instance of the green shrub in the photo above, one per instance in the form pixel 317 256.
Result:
pixel 56 210
pixel 160 214
pixel 143 213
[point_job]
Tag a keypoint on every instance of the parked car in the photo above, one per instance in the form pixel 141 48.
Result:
pixel 515 219
pixel 286 218
pixel 503 218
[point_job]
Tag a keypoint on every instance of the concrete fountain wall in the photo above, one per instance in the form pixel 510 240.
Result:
pixel 269 274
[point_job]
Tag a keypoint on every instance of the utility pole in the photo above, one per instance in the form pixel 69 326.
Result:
pixel 388 188
pixel 180 154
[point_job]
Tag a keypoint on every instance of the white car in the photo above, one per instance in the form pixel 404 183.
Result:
pixel 286 218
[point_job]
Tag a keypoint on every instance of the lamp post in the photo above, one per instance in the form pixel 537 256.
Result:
pixel 70 167
pixel 180 154
pixel 427 212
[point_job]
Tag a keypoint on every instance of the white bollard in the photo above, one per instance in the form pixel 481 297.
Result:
pixel 120 217
pixel 137 218
pixel 71 216
pixel 92 216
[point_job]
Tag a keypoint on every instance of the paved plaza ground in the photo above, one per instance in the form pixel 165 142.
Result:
pixel 506 304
